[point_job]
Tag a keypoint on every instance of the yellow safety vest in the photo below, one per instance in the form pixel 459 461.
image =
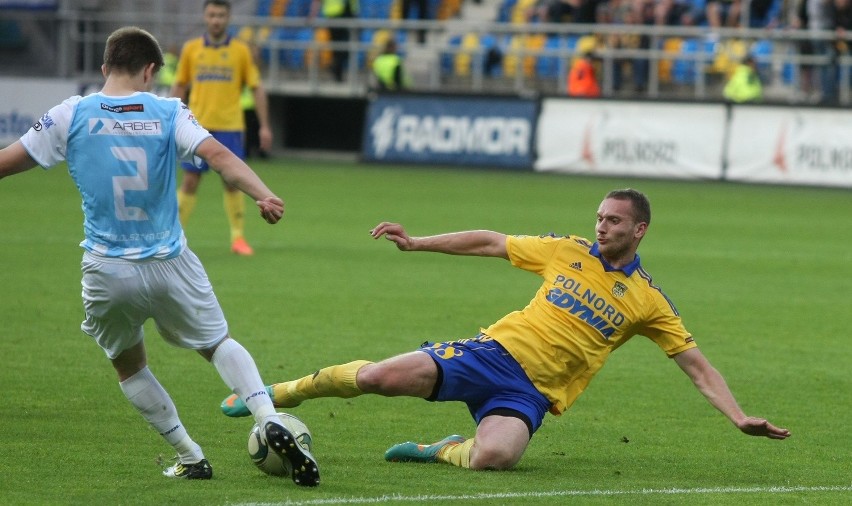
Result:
pixel 384 67
pixel 744 85
pixel 335 8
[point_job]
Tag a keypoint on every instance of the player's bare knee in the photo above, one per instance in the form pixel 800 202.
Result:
pixel 493 458
pixel 372 378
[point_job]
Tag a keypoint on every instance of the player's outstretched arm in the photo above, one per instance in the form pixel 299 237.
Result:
pixel 712 385
pixel 236 173
pixel 14 159
pixel 474 242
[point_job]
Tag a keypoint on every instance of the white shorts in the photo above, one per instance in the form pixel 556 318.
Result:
pixel 120 295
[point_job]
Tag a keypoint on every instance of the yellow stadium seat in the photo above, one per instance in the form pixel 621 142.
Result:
pixel 730 53
pixel 462 60
pixel 671 47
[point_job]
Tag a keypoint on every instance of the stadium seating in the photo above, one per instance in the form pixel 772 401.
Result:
pixel 463 60
pixel 697 53
pixel 376 9
pixel 548 66
pixel 671 47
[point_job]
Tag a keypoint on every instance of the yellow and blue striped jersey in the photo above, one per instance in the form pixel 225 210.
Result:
pixel 583 311
pixel 216 75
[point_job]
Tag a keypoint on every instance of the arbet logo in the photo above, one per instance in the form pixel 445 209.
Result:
pixel 107 126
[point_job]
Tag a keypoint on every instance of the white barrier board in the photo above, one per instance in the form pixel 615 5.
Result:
pixel 630 139
pixel 26 100
pixel 791 146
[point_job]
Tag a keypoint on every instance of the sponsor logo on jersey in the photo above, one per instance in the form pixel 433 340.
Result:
pixel 582 302
pixel 215 73
pixel 44 123
pixel 123 108
pixel 107 126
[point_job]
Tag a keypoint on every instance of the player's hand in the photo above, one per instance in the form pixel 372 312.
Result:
pixel 761 427
pixel 393 232
pixel 271 209
pixel 265 136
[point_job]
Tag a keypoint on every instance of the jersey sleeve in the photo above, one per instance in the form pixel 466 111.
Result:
pixel 188 134
pixel 46 140
pixel 530 253
pixel 666 328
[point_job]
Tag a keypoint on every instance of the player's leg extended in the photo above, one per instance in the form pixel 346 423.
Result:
pixel 499 444
pixel 235 209
pixel 187 197
pixel 155 405
pixel 413 374
pixel 238 370
pixel 333 381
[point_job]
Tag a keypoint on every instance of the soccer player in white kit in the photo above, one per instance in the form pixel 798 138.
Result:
pixel 122 146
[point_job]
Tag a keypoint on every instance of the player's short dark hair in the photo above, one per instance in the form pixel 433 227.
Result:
pixel 130 49
pixel 641 204
pixel 218 3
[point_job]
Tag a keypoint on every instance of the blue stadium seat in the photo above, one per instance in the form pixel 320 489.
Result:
pixel 298 9
pixel 504 14
pixel 376 9
pixel 447 58
pixel 264 7
pixel 762 52
pixel 366 37
pixel 291 57
pixel 698 53
pixel 550 66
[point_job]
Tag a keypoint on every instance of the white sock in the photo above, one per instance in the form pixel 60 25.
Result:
pixel 154 404
pixel 239 372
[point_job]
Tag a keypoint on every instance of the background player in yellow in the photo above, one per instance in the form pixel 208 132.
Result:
pixel 595 296
pixel 213 70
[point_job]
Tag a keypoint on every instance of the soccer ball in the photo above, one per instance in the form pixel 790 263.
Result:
pixel 265 458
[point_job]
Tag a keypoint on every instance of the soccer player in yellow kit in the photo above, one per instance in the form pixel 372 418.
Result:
pixel 213 69
pixel 595 296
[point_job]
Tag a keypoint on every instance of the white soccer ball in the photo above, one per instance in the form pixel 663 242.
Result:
pixel 265 458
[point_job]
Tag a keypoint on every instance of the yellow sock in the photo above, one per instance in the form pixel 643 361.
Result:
pixel 235 208
pixel 456 454
pixel 186 204
pixel 333 381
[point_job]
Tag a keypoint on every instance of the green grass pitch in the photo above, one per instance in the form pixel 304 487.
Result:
pixel 762 276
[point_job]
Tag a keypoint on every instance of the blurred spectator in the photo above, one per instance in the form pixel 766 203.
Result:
pixel 673 13
pixel 337 9
pixel 842 16
pixel 564 11
pixel 617 12
pixel 643 12
pixel 550 11
pixel 389 70
pixel 423 14
pixel 723 13
pixel 582 79
pixel 764 13
pixel 744 84
pixel 251 140
pixel 818 79
pixel 585 11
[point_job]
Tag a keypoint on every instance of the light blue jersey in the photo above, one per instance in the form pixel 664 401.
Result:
pixel 122 154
